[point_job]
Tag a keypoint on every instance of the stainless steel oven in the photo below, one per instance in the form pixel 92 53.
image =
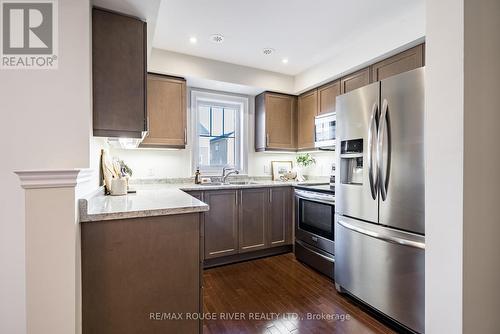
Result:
pixel 314 229
pixel 325 131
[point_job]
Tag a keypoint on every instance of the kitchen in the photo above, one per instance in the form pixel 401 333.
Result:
pixel 240 216
pixel 246 185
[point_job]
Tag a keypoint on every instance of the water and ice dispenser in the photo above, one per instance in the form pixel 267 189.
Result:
pixel 351 162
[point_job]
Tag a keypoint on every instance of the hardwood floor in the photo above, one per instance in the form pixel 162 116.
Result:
pixel 279 285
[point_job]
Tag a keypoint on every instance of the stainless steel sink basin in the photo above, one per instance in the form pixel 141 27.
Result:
pixel 242 182
pixel 228 183
pixel 212 184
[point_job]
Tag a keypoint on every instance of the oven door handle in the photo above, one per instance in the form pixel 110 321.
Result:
pixel 312 199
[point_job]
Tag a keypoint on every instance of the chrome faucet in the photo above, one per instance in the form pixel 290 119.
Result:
pixel 226 171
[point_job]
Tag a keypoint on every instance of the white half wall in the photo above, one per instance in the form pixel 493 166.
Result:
pixel 444 137
pixel 46 123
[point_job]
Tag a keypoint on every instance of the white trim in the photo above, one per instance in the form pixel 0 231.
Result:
pixel 55 178
pixel 224 99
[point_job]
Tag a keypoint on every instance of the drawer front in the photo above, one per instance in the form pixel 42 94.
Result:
pixel 383 273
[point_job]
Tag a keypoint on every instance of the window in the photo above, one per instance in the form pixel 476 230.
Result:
pixel 217 124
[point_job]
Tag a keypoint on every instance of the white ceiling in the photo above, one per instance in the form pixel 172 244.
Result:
pixel 307 32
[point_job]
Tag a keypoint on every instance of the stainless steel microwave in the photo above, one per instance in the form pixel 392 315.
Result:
pixel 324 131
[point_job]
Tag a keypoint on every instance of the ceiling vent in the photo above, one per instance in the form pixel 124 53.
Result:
pixel 268 51
pixel 217 38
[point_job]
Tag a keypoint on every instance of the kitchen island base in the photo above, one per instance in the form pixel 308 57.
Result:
pixel 137 271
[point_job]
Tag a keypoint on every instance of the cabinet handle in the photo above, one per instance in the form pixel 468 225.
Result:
pixel 241 198
pixel 185 136
pixel 270 195
pixel 267 139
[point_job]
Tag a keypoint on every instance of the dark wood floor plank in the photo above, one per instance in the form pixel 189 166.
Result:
pixel 281 285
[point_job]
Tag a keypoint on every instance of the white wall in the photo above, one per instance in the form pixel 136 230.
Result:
pixel 161 163
pixel 366 48
pixel 444 166
pixel 177 64
pixel 46 122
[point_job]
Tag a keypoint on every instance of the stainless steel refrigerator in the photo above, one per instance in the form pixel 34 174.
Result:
pixel 379 224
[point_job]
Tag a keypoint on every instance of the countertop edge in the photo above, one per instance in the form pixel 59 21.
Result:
pixel 85 217
pixel 208 187
pixel 88 218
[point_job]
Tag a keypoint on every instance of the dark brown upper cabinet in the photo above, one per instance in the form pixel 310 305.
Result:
pixel 167 112
pixel 327 97
pixel 118 74
pixel 308 109
pixel 402 62
pixel 355 80
pixel 275 122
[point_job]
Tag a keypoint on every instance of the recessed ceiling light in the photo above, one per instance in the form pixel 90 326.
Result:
pixel 267 51
pixel 193 40
pixel 217 38
pixel 284 60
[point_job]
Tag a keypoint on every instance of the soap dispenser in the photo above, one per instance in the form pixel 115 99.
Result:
pixel 197 176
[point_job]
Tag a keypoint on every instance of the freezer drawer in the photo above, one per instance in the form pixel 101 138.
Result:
pixel 382 267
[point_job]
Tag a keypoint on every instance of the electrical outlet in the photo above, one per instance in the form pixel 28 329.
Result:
pixel 150 172
pixel 266 169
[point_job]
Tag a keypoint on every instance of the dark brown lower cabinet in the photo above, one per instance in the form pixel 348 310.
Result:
pixel 254 218
pixel 221 223
pixel 246 220
pixel 135 272
pixel 280 222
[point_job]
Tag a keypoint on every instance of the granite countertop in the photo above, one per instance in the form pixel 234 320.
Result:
pixel 157 200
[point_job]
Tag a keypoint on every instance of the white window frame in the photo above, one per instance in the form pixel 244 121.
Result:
pixel 227 100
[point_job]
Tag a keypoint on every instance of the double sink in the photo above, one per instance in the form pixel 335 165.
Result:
pixel 236 183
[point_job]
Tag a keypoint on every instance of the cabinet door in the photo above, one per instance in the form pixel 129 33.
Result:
pixel 355 80
pixel 118 75
pixel 281 121
pixel 280 216
pixel 327 97
pixel 308 109
pixel 402 62
pixel 221 223
pixel 254 206
pixel 166 112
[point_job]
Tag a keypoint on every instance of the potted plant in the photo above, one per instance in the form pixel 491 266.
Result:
pixel 303 160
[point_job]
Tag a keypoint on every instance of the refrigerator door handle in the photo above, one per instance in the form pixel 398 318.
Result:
pixel 372 151
pixel 386 235
pixel 384 150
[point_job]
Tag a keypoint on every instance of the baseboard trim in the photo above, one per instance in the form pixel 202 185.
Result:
pixel 220 261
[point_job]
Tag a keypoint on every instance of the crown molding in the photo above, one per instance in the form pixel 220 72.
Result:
pixel 55 178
